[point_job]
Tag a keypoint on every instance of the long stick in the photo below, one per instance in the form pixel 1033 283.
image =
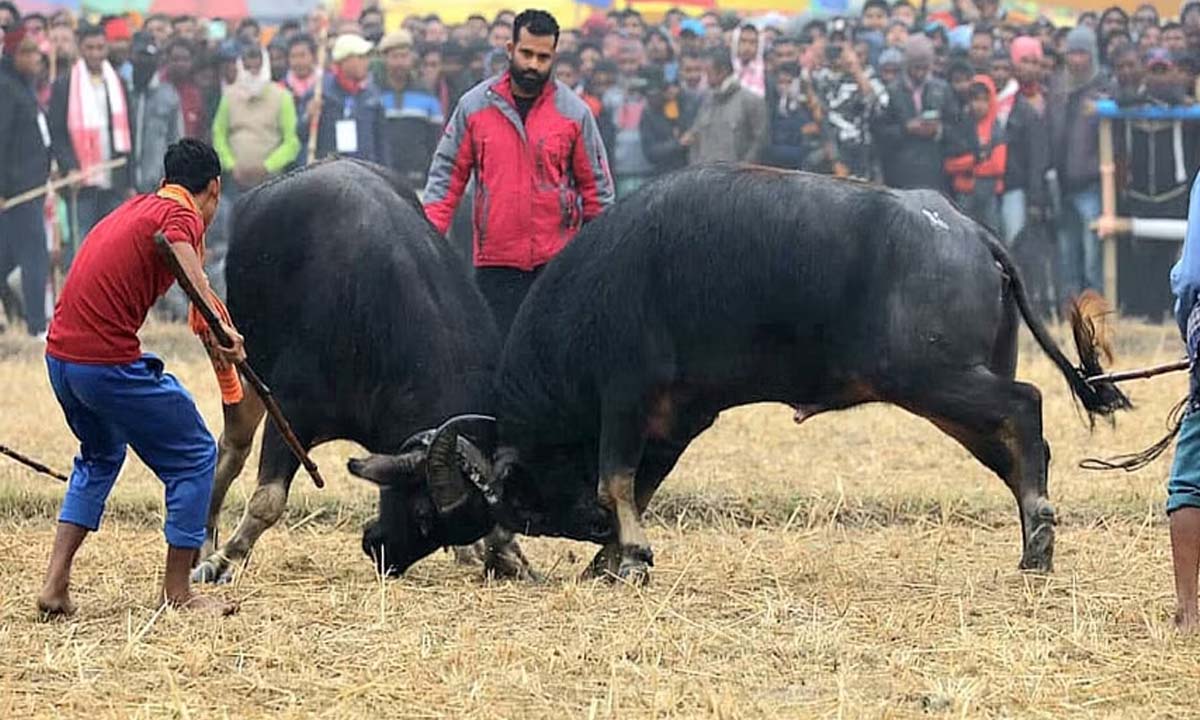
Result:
pixel 71 179
pixel 31 463
pixel 314 122
pixel 1142 373
pixel 214 324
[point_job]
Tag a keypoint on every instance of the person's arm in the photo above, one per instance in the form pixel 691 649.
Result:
pixel 1185 276
pixel 590 167
pixel 220 136
pixel 449 172
pixel 60 135
pixel 757 120
pixel 183 231
pixel 289 148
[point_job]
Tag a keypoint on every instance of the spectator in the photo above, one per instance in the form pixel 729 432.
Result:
pixel 977 175
pixel 24 165
pixel 1074 134
pixel 693 78
pixel 1173 37
pixel 661 125
pixel 9 15
pixel 184 26
pixel 660 54
pixel 178 70
pixel 301 81
pixel 748 63
pixel 63 44
pixel 352 122
pixel 851 94
pixel 905 12
pixel 874 15
pixel 370 21
pixel 1145 17
pixel 254 132
pixel 983 47
pixel 800 138
pixel 158 26
pixel 1025 198
pixel 432 78
pixel 158 117
pixel 623 108
pixel 567 72
pixel 1127 70
pixel 1007 86
pixel 277 52
pixel 120 36
pixel 897 35
pixel 500 35
pixel 1150 37
pixel 731 124
pixel 413 116
pixel 891 61
pixel 89 125
pixel 910 127
pixel 520 112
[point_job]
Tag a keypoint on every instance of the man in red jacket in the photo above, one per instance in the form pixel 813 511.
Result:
pixel 539 165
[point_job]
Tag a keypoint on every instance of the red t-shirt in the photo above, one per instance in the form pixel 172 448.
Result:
pixel 115 279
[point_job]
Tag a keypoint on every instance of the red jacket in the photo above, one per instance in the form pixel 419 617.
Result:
pixel 535 182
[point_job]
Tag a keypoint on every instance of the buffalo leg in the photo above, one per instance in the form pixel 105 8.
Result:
pixel 1000 422
pixel 621 445
pixel 276 469
pixel 503 558
pixel 237 437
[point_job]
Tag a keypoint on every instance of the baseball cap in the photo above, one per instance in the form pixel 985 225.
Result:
pixel 393 40
pixel 350 45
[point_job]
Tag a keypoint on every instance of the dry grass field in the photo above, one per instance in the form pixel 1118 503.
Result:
pixel 861 565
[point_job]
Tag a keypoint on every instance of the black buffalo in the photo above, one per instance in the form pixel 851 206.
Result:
pixel 720 286
pixel 366 325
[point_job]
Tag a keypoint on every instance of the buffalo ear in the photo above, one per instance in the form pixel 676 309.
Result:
pixel 387 470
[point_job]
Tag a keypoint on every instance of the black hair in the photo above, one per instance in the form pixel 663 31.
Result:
pixel 289 25
pixel 191 163
pixel 570 59
pixel 499 23
pixel 978 89
pixel 720 59
pixel 535 22
pixel 903 3
pixel 303 39
pixel 881 4
pixel 36 16
pixel 175 42
pixel 959 67
pixel 369 11
pixel 1172 25
pixel 606 66
pixel 181 19
pixel 249 22
pixel 789 68
pixel 12 10
pixel 1116 10
pixel 477 16
pixel 748 26
pixel 87 30
pixel 813 26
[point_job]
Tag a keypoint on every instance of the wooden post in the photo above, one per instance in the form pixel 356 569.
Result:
pixel 1108 209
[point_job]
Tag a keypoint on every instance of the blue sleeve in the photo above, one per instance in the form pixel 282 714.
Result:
pixel 1185 276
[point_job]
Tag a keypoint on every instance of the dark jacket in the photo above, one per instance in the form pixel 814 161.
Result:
pixel 24 157
pixel 1075 134
pixel 1028 153
pixel 910 161
pixel 365 109
pixel 787 145
pixel 60 136
pixel 660 141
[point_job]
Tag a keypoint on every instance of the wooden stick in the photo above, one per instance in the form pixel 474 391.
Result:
pixel 218 331
pixel 314 122
pixel 73 178
pixel 1142 373
pixel 31 463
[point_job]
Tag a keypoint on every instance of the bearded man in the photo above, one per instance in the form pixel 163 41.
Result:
pixel 539 164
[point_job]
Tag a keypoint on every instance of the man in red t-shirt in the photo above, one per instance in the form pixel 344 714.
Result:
pixel 115 396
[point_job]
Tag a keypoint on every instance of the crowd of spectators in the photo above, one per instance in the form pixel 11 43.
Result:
pixel 998 114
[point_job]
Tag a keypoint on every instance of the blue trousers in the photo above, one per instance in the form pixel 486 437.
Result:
pixel 110 407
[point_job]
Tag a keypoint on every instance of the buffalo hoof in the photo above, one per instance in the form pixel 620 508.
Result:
pixel 605 565
pixel 468 554
pixel 1039 546
pixel 634 572
pixel 212 573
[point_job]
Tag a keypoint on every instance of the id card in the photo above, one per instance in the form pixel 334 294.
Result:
pixel 347 136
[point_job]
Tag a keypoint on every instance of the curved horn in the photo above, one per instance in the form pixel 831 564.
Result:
pixel 450 456
pixel 386 470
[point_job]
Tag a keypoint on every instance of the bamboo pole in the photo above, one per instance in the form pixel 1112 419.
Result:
pixel 71 179
pixel 314 122
pixel 1108 209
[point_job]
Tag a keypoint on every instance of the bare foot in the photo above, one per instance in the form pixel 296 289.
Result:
pixel 204 604
pixel 55 605
pixel 1186 620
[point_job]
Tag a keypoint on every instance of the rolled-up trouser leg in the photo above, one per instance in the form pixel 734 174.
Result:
pixel 1183 487
pixel 101 449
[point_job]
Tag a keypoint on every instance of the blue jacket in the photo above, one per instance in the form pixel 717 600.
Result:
pixel 1185 276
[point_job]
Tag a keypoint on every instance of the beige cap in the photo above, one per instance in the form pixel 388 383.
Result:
pixel 393 40
pixel 350 46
